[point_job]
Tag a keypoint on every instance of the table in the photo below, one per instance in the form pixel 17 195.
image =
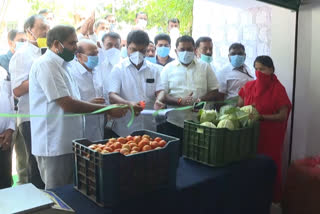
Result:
pixel 244 187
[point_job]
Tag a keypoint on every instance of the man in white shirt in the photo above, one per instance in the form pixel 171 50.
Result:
pixel 186 81
pixel 235 75
pixel 134 80
pixel 163 45
pixel 87 77
pixel 109 56
pixel 7 126
pixel 54 92
pixel 35 28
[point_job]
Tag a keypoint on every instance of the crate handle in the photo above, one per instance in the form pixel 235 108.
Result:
pixel 200 130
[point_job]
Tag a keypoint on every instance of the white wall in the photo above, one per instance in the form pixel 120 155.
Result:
pixel 306 134
pixel 282 53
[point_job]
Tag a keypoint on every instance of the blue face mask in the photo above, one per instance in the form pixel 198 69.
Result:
pixel 205 58
pixel 124 52
pixel 185 57
pixel 163 51
pixel 92 62
pixel 151 59
pixel 237 60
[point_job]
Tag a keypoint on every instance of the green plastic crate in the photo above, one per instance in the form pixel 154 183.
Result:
pixel 219 147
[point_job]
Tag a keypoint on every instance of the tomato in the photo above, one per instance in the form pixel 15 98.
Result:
pixel 117 150
pixel 142 104
pixel 122 140
pixel 129 138
pixel 117 145
pixel 154 144
pixel 98 150
pixel 93 146
pixel 133 152
pixel 137 139
pixel 105 152
pixel 158 139
pixel 124 151
pixel 132 145
pixel 135 148
pixel 146 148
pixel 126 146
pixel 162 143
pixel 142 144
pixel 113 140
pixel 108 149
pixel 146 136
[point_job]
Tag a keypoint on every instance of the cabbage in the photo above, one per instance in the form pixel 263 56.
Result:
pixel 228 109
pixel 226 123
pixel 208 116
pixel 208 124
pixel 233 118
pixel 247 115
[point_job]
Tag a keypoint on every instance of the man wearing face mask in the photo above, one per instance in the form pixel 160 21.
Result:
pixel 110 56
pixel 174 32
pixel 53 91
pixel 112 22
pixel 163 44
pixel 151 53
pixel 85 75
pixel 36 30
pixel 204 47
pixel 141 21
pixel 186 81
pixel 16 40
pixel 134 80
pixel 235 75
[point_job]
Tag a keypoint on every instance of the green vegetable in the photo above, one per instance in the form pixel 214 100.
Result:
pixel 226 123
pixel 247 115
pixel 208 124
pixel 208 116
pixel 228 109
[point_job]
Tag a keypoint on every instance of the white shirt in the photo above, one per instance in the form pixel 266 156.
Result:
pixel 6 106
pixel 179 81
pixel 19 68
pixel 90 87
pixel 106 64
pixel 231 80
pixel 50 80
pixel 134 85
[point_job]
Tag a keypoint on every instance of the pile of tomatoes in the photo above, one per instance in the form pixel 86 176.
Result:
pixel 129 145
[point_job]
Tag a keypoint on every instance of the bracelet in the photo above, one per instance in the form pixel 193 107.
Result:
pixel 179 101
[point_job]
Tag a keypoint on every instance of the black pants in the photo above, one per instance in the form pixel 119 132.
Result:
pixel 5 168
pixel 32 165
pixel 172 130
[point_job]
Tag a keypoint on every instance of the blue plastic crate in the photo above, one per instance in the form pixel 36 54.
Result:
pixel 108 179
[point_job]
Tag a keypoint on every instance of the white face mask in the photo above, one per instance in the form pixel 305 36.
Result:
pixel 142 23
pixel 113 55
pixel 174 32
pixel 19 45
pixel 136 57
pixel 185 57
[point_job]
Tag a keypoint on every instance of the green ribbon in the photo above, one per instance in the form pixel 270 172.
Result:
pixel 228 101
pixel 107 108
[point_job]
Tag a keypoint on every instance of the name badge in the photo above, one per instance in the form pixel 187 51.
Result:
pixel 150 81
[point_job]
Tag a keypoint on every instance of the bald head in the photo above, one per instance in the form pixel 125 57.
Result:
pixel 86 48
